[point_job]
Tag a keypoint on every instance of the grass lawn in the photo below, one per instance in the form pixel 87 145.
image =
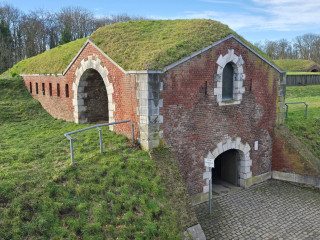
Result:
pixel 116 195
pixel 307 130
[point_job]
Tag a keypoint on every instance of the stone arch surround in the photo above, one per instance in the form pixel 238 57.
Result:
pixel 245 161
pixel 238 77
pixel 78 88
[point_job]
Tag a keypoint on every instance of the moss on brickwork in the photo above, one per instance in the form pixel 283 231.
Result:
pixel 294 64
pixel 270 80
pixel 136 45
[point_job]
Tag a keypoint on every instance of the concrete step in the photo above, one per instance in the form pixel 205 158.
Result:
pixel 221 187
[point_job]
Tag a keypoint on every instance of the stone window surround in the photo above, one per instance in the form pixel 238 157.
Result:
pixel 244 168
pixel 238 78
pixel 78 89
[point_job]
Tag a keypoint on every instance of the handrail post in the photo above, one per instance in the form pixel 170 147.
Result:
pixel 100 135
pixel 71 149
pixel 287 105
pixel 100 138
pixel 132 127
pixel 306 110
pixel 72 153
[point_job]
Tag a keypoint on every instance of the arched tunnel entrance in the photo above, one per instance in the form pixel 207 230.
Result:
pixel 226 168
pixel 95 98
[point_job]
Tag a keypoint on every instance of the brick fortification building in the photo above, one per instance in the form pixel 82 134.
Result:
pixel 221 99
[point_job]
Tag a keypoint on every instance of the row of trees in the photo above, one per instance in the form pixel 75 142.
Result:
pixel 302 47
pixel 23 35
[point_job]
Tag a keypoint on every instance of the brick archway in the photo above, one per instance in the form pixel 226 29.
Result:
pixel 245 161
pixel 80 83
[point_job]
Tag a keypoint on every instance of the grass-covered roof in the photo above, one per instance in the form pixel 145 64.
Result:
pixel 294 65
pixel 54 61
pixel 137 45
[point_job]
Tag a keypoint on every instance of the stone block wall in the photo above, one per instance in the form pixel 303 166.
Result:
pixel 149 88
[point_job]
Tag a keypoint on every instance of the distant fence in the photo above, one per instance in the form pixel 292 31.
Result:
pixel 298 80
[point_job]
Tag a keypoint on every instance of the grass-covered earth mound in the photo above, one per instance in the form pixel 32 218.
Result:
pixel 294 65
pixel 136 45
pixel 54 61
pixel 120 194
pixel 307 130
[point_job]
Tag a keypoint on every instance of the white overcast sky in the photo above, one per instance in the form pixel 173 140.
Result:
pixel 256 20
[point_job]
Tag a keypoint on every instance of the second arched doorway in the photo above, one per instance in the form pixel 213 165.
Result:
pixel 226 168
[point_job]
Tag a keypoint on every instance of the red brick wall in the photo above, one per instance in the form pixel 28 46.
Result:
pixel 124 96
pixel 59 107
pixel 193 123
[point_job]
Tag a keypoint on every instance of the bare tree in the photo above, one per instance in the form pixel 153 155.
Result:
pixel 123 17
pixel 76 21
pixel 39 30
pixel 12 17
pixel 308 46
pixel 6 45
pixel 35 32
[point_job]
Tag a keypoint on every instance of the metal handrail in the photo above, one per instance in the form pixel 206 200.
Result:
pixel 306 111
pixel 100 135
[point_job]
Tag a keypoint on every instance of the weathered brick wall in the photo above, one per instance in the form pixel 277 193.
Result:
pixel 193 123
pixel 124 95
pixel 58 106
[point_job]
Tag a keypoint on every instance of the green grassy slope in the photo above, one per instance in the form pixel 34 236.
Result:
pixel 303 73
pixel 118 194
pixel 294 65
pixel 137 45
pixel 307 130
pixel 54 61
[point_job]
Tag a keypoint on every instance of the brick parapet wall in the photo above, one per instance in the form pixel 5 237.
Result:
pixel 194 123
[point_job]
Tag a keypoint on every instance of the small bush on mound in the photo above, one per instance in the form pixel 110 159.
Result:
pixel 118 194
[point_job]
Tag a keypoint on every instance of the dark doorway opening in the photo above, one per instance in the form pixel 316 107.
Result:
pixel 226 167
pixel 96 99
